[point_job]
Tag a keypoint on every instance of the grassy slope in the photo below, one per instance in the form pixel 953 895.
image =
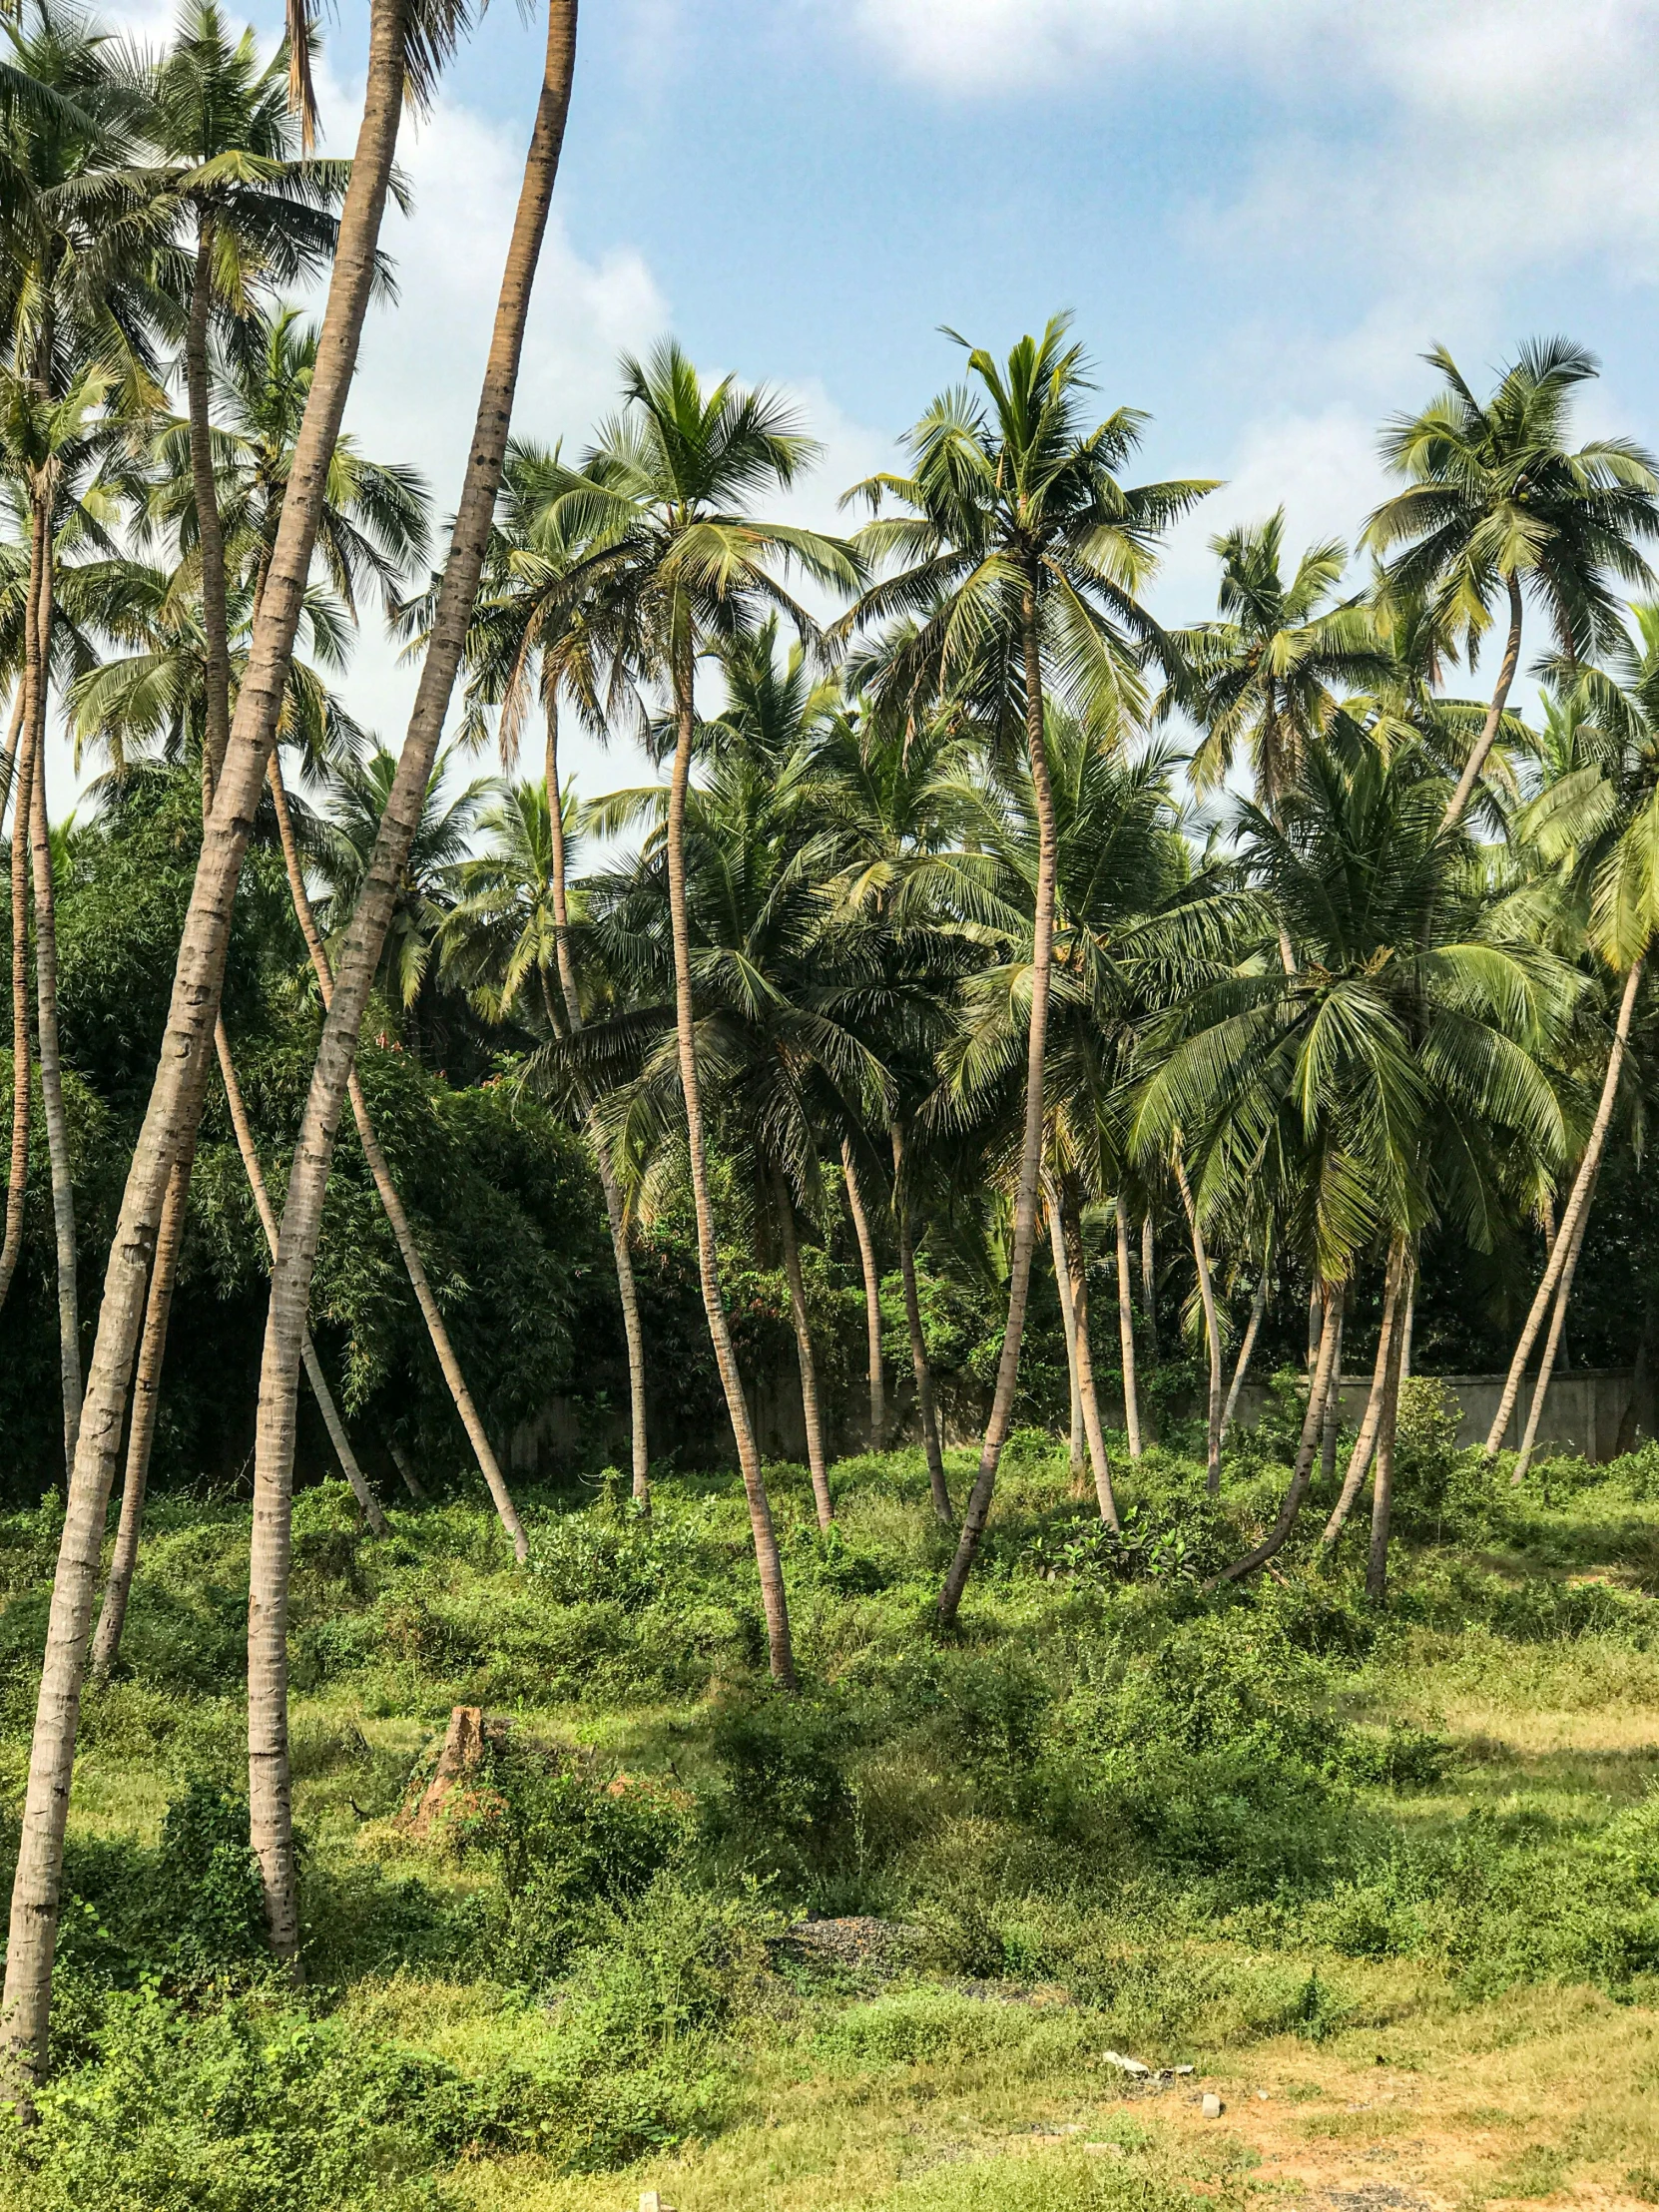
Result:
pixel 1401 1875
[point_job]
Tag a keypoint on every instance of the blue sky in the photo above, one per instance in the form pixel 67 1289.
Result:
pixel 1259 211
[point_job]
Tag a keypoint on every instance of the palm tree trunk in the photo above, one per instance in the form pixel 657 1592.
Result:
pixel 1149 1284
pixel 1383 1493
pixel 873 1295
pixel 1253 1329
pixel 270 1795
pixel 400 1460
pixel 1071 1238
pixel 1068 1327
pixel 1207 1294
pixel 616 1214
pixel 1302 1473
pixel 768 1562
pixel 215 634
pixel 1552 1347
pixel 1126 1336
pixel 811 1416
pixel 927 1405
pixel 1583 1183
pixel 1458 803
pixel 8 759
pixel 1332 1406
pixel 141 1433
pixel 1366 1442
pixel 45 1011
pixel 1025 1197
pixel 391 1204
pixel 176 1096
pixel 17 1177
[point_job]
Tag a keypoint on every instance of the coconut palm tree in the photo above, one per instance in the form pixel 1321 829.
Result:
pixel 1595 823
pixel 1020 557
pixel 1498 507
pixel 1374 1089
pixel 682 563
pixel 270 1798
pixel 404 48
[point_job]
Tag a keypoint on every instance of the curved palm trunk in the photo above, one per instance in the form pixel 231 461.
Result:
pixel 1302 1473
pixel 1126 1339
pixel 141 1432
pixel 1383 1493
pixel 1071 1235
pixel 1207 1295
pixel 269 1796
pixel 176 1096
pixel 1149 1284
pixel 873 1296
pixel 46 1013
pixel 17 1177
pixel 1552 1347
pixel 1457 806
pixel 216 632
pixel 1583 1183
pixel 926 1406
pixel 400 1460
pixel 616 1214
pixel 1068 1327
pixel 391 1204
pixel 1025 1196
pixel 1366 1442
pixel 1253 1329
pixel 8 758
pixel 812 1416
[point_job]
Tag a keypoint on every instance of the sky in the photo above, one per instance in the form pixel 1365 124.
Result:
pixel 1260 212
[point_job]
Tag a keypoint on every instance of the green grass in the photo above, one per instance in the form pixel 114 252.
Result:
pixel 1273 1833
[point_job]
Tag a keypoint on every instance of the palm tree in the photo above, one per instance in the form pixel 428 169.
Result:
pixel 1022 555
pixel 1595 821
pixel 682 563
pixel 1497 503
pixel 400 52
pixel 270 1798
pixel 525 629
pixel 1373 1090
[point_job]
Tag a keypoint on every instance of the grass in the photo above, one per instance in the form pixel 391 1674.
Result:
pixel 1387 1883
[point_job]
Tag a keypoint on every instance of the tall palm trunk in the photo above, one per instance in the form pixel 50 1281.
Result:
pixel 616 1214
pixel 391 1204
pixel 1212 1333
pixel 811 1414
pixel 8 758
pixel 216 632
pixel 39 618
pixel 873 1295
pixel 1457 805
pixel 176 1095
pixel 1383 1493
pixel 928 1411
pixel 1366 1442
pixel 770 1566
pixel 1076 1263
pixel 1149 1284
pixel 1126 1336
pixel 1253 1329
pixel 1025 1196
pixel 1583 1183
pixel 270 1795
pixel 1552 1347
pixel 17 1177
pixel 1332 1406
pixel 1302 1473
pixel 1068 1327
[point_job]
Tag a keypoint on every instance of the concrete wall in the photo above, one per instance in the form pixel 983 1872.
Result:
pixel 1590 1411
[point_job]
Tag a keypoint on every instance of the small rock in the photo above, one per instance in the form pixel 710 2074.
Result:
pixel 1136 2066
pixel 651 2200
pixel 1212 2105
pixel 1183 2070
pixel 1262 2095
